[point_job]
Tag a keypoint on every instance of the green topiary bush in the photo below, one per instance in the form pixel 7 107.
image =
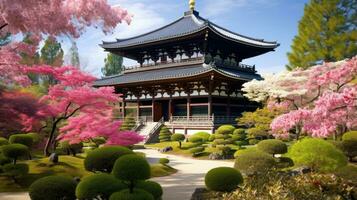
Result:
pixel 53 188
pixel 254 162
pixel 24 139
pixel 165 134
pixel 99 141
pixel 15 170
pixel 318 154
pixel 225 129
pixel 204 135
pixel 179 138
pixel 224 179
pixel 128 124
pixel 241 143
pixel 195 139
pixel 164 161
pixel 239 131
pixel 284 162
pixel 211 137
pixel 131 168
pixel 35 137
pixel 98 185
pixel 225 150
pixel 152 187
pixel 241 151
pixel 349 144
pixel 3 141
pixel 103 158
pixel 253 141
pixel 221 136
pixel 71 148
pixel 219 142
pixel 15 151
pixel 272 146
pixel 197 151
pixel 4 160
pixel 136 194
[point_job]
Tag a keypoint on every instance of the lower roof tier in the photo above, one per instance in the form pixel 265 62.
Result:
pixel 174 73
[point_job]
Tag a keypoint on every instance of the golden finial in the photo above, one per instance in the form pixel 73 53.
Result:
pixel 192 4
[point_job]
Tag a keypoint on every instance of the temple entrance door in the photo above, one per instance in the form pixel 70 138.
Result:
pixel 157 111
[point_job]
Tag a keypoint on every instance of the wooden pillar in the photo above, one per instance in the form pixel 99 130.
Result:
pixel 153 108
pixel 138 107
pixel 123 107
pixel 170 107
pixel 188 107
pixel 210 89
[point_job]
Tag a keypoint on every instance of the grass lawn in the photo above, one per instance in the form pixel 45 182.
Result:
pixel 68 166
pixel 185 149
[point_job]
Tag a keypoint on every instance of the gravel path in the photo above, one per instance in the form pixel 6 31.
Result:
pixel 190 175
pixel 178 186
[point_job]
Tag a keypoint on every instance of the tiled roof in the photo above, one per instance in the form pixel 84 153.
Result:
pixel 172 73
pixel 190 23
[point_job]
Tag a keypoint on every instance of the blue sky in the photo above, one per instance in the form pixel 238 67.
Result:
pixel 272 20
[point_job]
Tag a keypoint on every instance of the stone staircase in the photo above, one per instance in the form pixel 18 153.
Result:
pixel 149 130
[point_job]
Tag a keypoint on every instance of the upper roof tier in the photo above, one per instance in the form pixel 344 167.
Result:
pixel 189 26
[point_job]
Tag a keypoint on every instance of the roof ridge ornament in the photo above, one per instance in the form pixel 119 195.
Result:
pixel 192 4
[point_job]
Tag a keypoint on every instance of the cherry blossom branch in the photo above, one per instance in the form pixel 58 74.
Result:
pixel 3 26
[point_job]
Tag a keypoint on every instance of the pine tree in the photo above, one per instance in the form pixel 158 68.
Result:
pixel 52 53
pixel 113 65
pixel 327 32
pixel 30 59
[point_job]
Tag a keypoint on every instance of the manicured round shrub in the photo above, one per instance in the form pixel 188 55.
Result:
pixel 128 124
pixel 241 151
pixel 99 141
pixel 4 160
pixel 219 142
pixel 15 151
pixel 229 141
pixel 131 168
pixel 195 139
pixel 225 150
pixel 253 141
pixel 223 179
pixel 254 162
pixel 102 185
pixel 239 131
pixel 71 148
pixel 165 134
pixel 317 154
pixel 337 144
pixel 138 194
pixel 225 129
pixel 3 141
pixel 103 158
pixel 152 187
pixel 349 144
pixel 53 188
pixel 35 137
pixel 196 150
pixel 164 161
pixel 238 137
pixel 284 162
pixel 178 137
pixel 272 146
pixel 241 143
pixel 211 137
pixel 204 135
pixel 24 139
pixel 221 136
pixel 15 170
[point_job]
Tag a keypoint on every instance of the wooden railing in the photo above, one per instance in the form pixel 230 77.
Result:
pixel 154 129
pixel 204 120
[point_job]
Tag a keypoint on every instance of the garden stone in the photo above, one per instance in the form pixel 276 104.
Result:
pixel 54 158
pixel 77 179
pixel 216 156
pixel 204 194
pixel 300 170
pixel 166 149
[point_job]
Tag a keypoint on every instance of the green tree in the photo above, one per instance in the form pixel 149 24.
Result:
pixel 113 65
pixel 52 53
pixel 30 59
pixel 327 32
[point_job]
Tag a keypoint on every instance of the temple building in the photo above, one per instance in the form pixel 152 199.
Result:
pixel 189 74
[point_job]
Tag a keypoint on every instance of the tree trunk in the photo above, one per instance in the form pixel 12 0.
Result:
pixel 50 139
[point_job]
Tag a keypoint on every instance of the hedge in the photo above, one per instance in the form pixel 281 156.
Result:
pixel 204 135
pixel 317 154
pixel 15 151
pixel 24 139
pixel 152 187
pixel 103 158
pixel 195 139
pixel 254 162
pixel 272 146
pixel 98 185
pixel 138 194
pixel 225 129
pixel 53 188
pixel 165 134
pixel 224 179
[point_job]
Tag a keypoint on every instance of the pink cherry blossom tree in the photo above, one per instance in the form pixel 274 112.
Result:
pixel 80 111
pixel 321 100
